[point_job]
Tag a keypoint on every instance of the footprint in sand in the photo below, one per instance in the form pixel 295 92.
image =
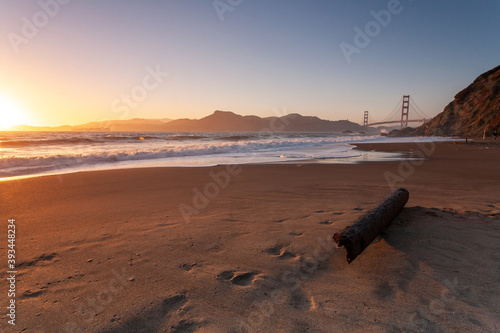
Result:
pixel 242 279
pixel 31 294
pixel 226 275
pixel 275 250
pixel 287 255
pixel 280 251
pixel 184 326
pixel 40 259
pixel 152 319
pixel 300 301
pixel 187 267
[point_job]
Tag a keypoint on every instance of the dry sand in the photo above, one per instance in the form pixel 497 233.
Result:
pixel 111 252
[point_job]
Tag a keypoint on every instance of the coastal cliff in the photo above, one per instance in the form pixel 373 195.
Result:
pixel 474 111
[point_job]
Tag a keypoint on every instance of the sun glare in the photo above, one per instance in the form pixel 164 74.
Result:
pixel 11 113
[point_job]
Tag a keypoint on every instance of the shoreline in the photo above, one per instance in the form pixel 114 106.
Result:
pixel 365 155
pixel 109 250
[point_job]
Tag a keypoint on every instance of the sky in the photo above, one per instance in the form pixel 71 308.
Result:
pixel 75 61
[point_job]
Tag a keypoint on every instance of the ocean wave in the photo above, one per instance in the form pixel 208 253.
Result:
pixel 116 138
pixel 200 149
pixel 41 152
pixel 38 143
pixel 183 137
pixel 70 158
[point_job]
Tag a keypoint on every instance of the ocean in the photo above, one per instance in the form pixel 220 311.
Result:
pixel 41 153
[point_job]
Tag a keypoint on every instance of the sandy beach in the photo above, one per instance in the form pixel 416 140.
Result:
pixel 248 248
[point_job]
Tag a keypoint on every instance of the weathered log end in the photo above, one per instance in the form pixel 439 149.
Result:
pixel 356 237
pixel 352 250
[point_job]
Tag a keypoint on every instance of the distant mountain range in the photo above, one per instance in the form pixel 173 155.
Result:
pixel 219 121
pixel 474 111
pixel 132 125
pixel 225 121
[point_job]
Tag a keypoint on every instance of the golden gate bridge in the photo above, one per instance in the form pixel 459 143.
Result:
pixel 404 105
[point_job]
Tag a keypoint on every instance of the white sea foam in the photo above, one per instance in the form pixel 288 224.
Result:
pixel 57 152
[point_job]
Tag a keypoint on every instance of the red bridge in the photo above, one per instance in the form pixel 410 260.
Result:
pixel 405 110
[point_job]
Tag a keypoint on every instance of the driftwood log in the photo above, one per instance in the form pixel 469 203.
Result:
pixel 356 237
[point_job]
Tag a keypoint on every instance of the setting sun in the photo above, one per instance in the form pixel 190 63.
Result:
pixel 11 113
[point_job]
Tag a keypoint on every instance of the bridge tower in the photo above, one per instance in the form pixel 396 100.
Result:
pixel 365 119
pixel 404 111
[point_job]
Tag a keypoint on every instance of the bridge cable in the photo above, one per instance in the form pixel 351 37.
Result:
pixel 393 112
pixel 420 114
pixel 371 120
pixel 416 111
pixel 425 116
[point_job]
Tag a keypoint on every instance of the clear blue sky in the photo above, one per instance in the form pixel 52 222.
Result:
pixel 264 56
